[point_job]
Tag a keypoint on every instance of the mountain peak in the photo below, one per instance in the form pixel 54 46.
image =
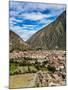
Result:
pixel 52 36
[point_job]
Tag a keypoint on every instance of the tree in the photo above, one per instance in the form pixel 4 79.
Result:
pixel 37 65
pixel 51 68
pixel 44 63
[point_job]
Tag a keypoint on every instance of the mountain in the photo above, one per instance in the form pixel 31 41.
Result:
pixel 16 43
pixel 52 36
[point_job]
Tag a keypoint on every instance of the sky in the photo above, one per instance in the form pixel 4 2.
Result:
pixel 26 18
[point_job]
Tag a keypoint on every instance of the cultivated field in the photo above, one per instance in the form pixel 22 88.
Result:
pixel 24 80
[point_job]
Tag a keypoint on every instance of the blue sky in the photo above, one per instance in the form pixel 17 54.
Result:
pixel 26 18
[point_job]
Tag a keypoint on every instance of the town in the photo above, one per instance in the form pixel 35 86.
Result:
pixel 48 66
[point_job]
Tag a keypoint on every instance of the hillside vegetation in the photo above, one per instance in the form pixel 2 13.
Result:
pixel 52 36
pixel 16 43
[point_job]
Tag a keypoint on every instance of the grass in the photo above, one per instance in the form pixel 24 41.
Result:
pixel 33 69
pixel 15 68
pixel 44 69
pixel 12 68
pixel 23 69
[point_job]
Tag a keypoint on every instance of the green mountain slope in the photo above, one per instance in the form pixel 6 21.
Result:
pixel 52 36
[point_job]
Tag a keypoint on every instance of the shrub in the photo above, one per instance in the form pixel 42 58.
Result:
pixel 44 63
pixel 51 68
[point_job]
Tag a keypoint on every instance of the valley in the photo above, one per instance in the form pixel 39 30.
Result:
pixel 37 68
pixel 39 61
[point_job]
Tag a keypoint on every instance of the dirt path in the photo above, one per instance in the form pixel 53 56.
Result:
pixel 32 83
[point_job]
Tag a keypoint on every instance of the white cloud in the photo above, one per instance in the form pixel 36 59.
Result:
pixel 17 20
pixel 35 16
pixel 46 22
pixel 31 6
pixel 26 10
pixel 24 34
pixel 13 13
